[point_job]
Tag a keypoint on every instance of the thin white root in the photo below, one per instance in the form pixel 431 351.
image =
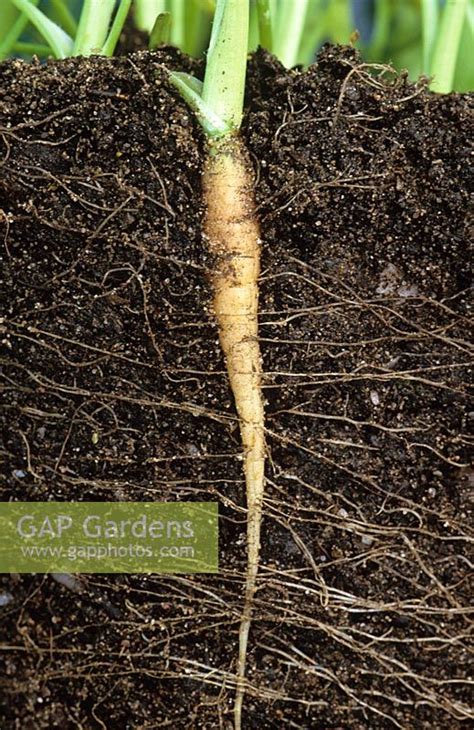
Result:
pixel 232 231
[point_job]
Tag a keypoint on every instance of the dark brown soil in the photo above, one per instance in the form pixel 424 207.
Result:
pixel 114 388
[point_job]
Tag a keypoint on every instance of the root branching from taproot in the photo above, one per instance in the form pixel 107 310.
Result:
pixel 232 232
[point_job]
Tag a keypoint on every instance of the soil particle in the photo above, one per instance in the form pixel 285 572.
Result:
pixel 115 389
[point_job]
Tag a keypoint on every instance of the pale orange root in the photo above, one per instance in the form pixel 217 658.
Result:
pixel 232 231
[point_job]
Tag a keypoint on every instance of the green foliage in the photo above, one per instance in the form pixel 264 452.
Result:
pixel 189 24
pixel 218 101
pixel 97 31
pixel 146 13
pixel 12 25
pixel 433 37
pixel 60 43
pixel 446 45
pixel 161 32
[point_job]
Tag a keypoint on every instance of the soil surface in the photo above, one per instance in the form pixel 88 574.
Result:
pixel 114 389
